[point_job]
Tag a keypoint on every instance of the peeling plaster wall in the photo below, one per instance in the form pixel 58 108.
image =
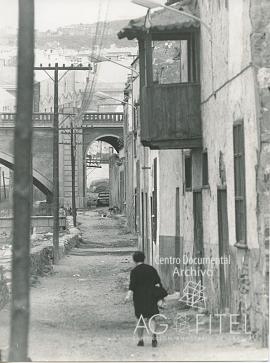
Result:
pixel 235 86
pixel 260 49
pixel 169 219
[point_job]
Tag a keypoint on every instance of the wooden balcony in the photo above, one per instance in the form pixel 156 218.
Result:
pixel 170 116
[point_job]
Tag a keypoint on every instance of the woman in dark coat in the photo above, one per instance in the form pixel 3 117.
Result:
pixel 143 279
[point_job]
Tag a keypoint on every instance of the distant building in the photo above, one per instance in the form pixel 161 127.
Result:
pixel 118 54
pixel 7 101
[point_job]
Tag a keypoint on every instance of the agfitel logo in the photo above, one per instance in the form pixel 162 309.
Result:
pixel 194 297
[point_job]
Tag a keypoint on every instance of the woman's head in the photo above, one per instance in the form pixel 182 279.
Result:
pixel 138 257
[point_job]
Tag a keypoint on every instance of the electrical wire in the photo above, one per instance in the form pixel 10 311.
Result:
pixel 104 26
pixel 101 27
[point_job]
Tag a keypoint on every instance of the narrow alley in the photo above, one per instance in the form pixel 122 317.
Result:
pixel 78 311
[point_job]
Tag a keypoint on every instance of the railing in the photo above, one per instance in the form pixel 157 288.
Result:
pixel 103 117
pixel 87 117
pixel 43 117
pixel 7 116
pixel 36 117
pixel 171 116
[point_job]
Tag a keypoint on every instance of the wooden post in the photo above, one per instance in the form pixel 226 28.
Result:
pixel 148 59
pixel 55 169
pixel 22 194
pixel 142 63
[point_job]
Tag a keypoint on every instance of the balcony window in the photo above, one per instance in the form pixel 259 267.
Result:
pixel 170 62
pixel 170 94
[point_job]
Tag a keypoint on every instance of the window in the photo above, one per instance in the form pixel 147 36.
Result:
pixel 135 145
pixel 205 169
pixel 239 182
pixel 188 171
pixel 170 61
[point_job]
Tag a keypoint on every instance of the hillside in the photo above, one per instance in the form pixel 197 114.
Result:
pixel 76 36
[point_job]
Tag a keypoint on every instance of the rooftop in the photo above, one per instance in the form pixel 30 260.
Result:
pixel 163 20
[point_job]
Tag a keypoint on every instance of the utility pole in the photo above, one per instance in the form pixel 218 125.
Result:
pixel 56 68
pixel 22 195
pixel 55 169
pixel 74 212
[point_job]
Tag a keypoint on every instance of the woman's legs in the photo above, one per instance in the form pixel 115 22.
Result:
pixel 140 333
pixel 153 325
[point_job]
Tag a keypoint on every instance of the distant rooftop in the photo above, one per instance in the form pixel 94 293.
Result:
pixel 160 21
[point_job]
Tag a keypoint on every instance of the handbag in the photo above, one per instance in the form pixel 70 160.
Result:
pixel 159 293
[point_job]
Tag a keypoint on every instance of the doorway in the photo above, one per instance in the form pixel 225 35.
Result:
pixel 143 236
pixel 198 231
pixel 223 243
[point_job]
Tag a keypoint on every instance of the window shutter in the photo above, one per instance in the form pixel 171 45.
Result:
pixel 205 168
pixel 188 171
pixel 239 182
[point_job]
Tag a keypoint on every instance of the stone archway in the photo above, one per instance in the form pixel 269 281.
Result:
pixel 116 141
pixel 110 135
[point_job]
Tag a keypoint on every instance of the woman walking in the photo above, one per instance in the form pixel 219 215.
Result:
pixel 144 279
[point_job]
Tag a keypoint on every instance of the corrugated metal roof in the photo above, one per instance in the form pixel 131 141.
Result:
pixel 161 21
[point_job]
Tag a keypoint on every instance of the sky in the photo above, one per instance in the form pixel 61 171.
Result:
pixel 50 14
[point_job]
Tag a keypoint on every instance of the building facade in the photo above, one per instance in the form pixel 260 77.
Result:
pixel 198 148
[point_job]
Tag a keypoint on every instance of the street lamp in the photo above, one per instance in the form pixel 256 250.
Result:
pixel 151 4
pixel 103 95
pixel 100 58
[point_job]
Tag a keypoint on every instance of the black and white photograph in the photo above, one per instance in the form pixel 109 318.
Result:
pixel 134 180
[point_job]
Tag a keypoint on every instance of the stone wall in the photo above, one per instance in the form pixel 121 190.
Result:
pixel 42 256
pixel 40 224
pixel 260 51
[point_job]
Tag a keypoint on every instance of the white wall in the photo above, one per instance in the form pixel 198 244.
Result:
pixel 231 31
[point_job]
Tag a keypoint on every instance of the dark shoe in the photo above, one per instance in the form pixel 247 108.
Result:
pixel 140 343
pixel 154 343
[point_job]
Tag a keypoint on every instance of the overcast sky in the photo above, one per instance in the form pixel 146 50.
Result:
pixel 51 14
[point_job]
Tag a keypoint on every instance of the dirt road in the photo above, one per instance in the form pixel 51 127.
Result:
pixel 78 312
